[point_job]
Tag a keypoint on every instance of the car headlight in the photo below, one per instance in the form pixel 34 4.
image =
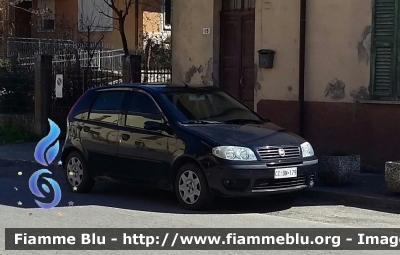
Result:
pixel 234 153
pixel 307 150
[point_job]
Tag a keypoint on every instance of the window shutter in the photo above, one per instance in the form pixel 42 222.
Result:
pixel 90 15
pixel 103 22
pixel 383 50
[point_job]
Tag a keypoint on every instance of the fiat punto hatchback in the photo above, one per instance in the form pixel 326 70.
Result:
pixel 197 142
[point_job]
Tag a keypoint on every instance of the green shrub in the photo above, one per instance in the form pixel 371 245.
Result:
pixel 10 133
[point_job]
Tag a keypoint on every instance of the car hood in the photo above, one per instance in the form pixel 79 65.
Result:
pixel 248 135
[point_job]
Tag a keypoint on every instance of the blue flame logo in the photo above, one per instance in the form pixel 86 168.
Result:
pixel 52 152
pixel 44 155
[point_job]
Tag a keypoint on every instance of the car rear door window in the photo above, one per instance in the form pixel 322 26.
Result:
pixel 106 107
pixel 142 108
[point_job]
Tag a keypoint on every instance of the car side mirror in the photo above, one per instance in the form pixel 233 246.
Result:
pixel 153 125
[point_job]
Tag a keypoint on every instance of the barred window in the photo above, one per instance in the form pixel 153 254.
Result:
pixel 46 18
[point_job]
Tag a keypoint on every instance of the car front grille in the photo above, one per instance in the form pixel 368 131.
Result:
pixel 271 184
pixel 268 153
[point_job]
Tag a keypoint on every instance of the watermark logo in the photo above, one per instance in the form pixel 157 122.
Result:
pixel 44 155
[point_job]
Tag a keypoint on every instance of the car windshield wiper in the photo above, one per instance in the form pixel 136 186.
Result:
pixel 202 122
pixel 234 121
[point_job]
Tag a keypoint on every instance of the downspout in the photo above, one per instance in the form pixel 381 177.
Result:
pixel 137 24
pixel 303 11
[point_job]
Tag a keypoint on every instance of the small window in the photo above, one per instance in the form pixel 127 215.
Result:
pixel 46 17
pixel 107 106
pixel 142 108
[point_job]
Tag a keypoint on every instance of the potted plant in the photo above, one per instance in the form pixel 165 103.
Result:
pixel 338 168
pixel 392 176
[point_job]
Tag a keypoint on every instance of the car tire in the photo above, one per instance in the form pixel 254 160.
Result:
pixel 192 189
pixel 77 173
pixel 284 198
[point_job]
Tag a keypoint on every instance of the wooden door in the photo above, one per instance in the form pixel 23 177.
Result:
pixel 237 50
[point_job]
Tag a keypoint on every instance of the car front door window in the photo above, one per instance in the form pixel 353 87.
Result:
pixel 142 108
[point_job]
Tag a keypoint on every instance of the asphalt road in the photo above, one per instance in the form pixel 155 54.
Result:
pixel 121 206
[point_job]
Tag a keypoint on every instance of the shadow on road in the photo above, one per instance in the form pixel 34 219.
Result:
pixel 15 188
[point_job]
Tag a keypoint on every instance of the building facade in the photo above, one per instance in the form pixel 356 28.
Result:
pixel 79 19
pixel 335 76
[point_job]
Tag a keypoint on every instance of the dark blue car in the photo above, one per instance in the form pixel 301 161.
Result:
pixel 198 142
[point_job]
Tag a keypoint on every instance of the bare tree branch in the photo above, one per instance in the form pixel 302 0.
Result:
pixel 108 16
pixel 112 5
pixel 121 18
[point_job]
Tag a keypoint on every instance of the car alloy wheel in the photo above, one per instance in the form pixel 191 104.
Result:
pixel 189 187
pixel 77 173
pixel 74 171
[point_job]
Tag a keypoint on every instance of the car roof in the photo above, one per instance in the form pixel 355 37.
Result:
pixel 161 87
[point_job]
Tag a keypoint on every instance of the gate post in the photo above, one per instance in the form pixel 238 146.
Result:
pixel 125 70
pixel 43 85
pixel 136 68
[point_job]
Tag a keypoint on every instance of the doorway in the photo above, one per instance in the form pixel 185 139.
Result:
pixel 237 49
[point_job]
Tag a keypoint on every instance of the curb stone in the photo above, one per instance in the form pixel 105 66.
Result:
pixel 355 199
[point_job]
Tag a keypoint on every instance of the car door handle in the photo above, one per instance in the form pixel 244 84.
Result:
pixel 125 137
pixel 139 143
pixel 86 128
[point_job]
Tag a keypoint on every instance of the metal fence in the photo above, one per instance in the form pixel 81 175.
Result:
pixel 100 57
pixel 81 70
pixel 75 82
pixel 27 47
pixel 17 88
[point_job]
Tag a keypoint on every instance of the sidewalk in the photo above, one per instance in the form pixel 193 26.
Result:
pixel 369 190
pixel 24 152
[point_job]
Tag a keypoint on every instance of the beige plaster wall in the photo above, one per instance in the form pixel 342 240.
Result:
pixel 192 59
pixel 337 49
pixel 277 28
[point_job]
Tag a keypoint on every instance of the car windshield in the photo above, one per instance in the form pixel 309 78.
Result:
pixel 209 107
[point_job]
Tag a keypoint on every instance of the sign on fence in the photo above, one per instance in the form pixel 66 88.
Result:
pixel 59 85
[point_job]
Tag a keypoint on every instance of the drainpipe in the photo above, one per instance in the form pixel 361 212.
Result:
pixel 303 10
pixel 137 24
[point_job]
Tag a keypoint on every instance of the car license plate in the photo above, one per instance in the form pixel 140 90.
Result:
pixel 285 173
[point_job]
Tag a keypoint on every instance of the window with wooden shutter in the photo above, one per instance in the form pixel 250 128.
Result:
pixel 384 49
pixel 94 15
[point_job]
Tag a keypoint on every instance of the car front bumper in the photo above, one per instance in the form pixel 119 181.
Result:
pixel 258 179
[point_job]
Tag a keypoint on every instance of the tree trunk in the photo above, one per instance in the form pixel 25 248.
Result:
pixel 147 54
pixel 123 36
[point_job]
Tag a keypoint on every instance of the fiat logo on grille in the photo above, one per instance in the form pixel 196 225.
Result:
pixel 281 152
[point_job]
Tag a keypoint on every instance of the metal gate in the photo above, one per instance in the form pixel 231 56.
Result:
pixel 75 82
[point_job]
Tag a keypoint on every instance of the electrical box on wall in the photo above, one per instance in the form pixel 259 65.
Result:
pixel 266 58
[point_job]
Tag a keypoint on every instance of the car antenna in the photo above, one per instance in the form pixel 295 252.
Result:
pixel 186 85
